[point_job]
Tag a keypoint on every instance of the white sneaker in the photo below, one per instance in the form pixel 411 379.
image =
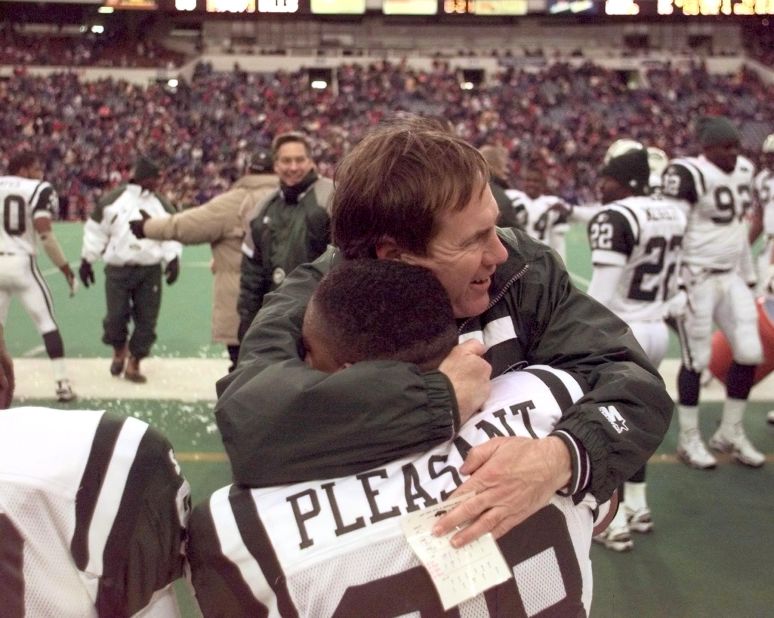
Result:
pixel 639 520
pixel 616 538
pixel 736 443
pixel 64 392
pixel 692 452
pixel 770 417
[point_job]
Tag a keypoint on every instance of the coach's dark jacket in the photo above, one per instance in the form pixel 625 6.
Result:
pixel 283 422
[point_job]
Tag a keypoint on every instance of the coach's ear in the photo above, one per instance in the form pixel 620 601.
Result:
pixel 387 249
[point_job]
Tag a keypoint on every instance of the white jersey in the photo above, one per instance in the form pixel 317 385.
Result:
pixel 642 234
pixel 716 234
pixel 764 190
pixel 93 512
pixel 21 201
pixel 536 217
pixel 335 548
pixel 107 233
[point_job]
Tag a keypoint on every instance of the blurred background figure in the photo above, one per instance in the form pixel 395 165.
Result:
pixel 496 158
pixel 27 204
pixel 132 266
pixel 220 222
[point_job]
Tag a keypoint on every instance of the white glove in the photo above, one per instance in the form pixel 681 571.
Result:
pixel 677 305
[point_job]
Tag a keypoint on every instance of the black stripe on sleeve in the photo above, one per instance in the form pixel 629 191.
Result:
pixel 259 545
pixel 555 385
pixel 11 569
pixel 102 447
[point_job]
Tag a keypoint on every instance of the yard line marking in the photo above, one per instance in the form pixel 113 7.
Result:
pixel 32 352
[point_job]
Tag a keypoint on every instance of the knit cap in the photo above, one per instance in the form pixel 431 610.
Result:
pixel 261 162
pixel 144 168
pixel 713 130
pixel 630 169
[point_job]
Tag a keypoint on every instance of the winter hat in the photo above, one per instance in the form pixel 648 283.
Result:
pixel 261 162
pixel 630 169
pixel 144 168
pixel 713 130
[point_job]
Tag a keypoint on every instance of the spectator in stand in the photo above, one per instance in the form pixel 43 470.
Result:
pixel 132 266
pixel 220 222
pixel 287 228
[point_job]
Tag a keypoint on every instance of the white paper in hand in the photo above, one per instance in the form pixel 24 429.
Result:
pixel 458 574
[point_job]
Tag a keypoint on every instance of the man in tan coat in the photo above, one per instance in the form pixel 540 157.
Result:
pixel 219 222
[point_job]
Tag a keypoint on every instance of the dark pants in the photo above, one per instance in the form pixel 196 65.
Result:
pixel 132 292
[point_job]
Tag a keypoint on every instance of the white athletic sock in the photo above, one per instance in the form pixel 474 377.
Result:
pixel 60 369
pixel 733 413
pixel 619 521
pixel 688 417
pixel 634 495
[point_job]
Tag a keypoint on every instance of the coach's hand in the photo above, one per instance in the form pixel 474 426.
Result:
pixel 469 374
pixel 172 271
pixel 512 478
pixel 86 273
pixel 136 225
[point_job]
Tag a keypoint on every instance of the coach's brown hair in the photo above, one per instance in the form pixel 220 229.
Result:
pixel 286 138
pixel 397 180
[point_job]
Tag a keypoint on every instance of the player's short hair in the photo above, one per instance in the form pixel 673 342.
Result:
pixel 385 310
pixel 20 160
pixel 396 182
pixel 496 158
pixel 286 138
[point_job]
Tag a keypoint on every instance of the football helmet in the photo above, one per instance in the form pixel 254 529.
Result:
pixel 621 146
pixel 768 144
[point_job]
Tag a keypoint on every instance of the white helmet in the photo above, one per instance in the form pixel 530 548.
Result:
pixel 768 144
pixel 657 160
pixel 619 147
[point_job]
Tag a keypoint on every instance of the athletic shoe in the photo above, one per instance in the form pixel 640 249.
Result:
pixel 616 538
pixel 692 452
pixel 736 443
pixel 64 392
pixel 770 417
pixel 639 520
pixel 132 371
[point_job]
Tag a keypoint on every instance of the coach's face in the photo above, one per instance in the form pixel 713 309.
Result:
pixel 465 253
pixel 292 163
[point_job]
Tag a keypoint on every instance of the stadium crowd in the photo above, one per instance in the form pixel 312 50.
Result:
pixel 88 132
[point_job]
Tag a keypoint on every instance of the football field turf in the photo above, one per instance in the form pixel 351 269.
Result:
pixel 712 551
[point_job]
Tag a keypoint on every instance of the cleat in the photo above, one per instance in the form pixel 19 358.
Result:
pixel 616 538
pixel 692 452
pixel 736 443
pixel 639 520
pixel 64 392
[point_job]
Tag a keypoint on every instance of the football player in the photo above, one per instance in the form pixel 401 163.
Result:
pixel 93 515
pixel 7 382
pixel 635 244
pixel 717 188
pixel 542 216
pixel 27 204
pixel 335 547
pixel 764 192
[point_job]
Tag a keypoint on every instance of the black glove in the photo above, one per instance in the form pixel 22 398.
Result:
pixel 172 271
pixel 86 273
pixel 136 225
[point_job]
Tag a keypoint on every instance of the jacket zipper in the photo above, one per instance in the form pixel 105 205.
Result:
pixel 499 296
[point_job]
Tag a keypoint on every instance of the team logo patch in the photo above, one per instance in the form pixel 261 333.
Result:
pixel 278 276
pixel 614 417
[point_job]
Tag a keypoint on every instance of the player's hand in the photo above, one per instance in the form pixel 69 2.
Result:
pixel 469 374
pixel 69 275
pixel 512 478
pixel 137 225
pixel 86 273
pixel 172 271
pixel 7 382
pixel 563 208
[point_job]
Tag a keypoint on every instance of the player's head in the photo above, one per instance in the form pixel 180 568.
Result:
pixel 497 159
pixel 625 175
pixel 719 141
pixel 146 172
pixel 621 146
pixel 292 156
pixel 378 310
pixel 657 162
pixel 397 182
pixel 533 178
pixel 25 163
pixel 768 152
pixel 260 162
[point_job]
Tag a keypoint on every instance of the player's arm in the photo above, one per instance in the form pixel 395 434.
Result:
pixel 283 422
pixel 678 181
pixel 48 240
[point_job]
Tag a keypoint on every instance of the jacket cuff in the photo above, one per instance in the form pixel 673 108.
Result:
pixel 441 400
pixel 580 463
